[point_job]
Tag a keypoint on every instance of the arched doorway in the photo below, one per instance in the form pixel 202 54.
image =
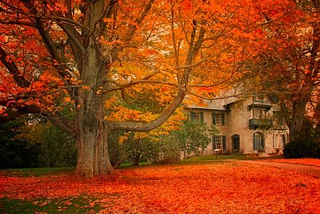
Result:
pixel 235 143
pixel 258 141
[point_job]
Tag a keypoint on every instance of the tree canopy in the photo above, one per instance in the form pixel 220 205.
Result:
pixel 79 63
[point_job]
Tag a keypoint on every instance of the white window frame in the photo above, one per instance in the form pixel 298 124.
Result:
pixel 218 118
pixel 219 141
pixel 279 140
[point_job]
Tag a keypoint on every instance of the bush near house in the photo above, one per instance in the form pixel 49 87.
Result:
pixel 191 139
pixel 301 149
pixel 307 144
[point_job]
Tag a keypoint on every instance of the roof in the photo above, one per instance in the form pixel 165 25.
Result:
pixel 219 104
pixel 210 106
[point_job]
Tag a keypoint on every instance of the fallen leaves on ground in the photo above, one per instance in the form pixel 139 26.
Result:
pixel 302 161
pixel 210 188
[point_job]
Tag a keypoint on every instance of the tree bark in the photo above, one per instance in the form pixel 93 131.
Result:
pixel 93 155
pixel 296 123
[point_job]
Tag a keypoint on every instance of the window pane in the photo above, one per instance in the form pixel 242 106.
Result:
pixel 218 140
pixel 197 116
pixel 259 113
pixel 218 119
pixel 283 140
pixel 275 141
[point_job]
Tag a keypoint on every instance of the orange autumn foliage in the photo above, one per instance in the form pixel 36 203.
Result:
pixel 233 188
pixel 93 59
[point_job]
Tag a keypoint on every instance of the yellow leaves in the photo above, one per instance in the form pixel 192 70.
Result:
pixel 123 114
pixel 67 99
pixel 85 87
pixel 110 102
pixel 108 43
pixel 123 138
pixel 108 20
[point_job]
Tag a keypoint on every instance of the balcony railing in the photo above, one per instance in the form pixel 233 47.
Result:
pixel 260 123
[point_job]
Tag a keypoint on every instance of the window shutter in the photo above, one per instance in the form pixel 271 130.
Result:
pixel 201 117
pixel 224 142
pixel 192 116
pixel 222 119
pixel 213 142
pixel 213 119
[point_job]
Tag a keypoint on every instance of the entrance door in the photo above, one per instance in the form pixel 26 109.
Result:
pixel 235 143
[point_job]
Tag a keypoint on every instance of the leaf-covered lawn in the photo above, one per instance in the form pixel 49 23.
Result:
pixel 303 161
pixel 210 188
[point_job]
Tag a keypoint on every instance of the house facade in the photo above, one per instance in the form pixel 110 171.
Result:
pixel 247 126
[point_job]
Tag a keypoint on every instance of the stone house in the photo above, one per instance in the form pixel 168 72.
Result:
pixel 245 125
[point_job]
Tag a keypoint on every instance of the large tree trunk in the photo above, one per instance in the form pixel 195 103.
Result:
pixel 93 156
pixel 297 119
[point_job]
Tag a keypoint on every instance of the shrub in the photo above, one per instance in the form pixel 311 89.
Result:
pixel 16 152
pixel 117 150
pixel 301 148
pixel 55 147
pixel 166 151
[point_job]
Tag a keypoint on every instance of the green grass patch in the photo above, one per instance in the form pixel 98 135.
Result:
pixel 127 164
pixel 27 172
pixel 81 204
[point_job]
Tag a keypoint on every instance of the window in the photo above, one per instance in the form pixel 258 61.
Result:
pixel 219 142
pixel 282 140
pixel 258 141
pixel 218 119
pixel 279 140
pixel 275 141
pixel 259 113
pixel 196 116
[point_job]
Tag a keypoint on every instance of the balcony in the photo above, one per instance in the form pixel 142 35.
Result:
pixel 260 123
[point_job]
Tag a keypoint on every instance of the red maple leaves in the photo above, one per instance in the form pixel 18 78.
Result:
pixel 210 188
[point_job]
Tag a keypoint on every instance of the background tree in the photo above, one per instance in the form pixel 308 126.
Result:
pixel 55 147
pixel 288 68
pixel 16 152
pixel 87 53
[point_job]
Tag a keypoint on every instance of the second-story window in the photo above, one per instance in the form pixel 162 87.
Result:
pixel 218 119
pixel 196 116
pixel 259 113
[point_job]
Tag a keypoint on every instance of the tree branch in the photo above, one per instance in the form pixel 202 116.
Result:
pixel 13 69
pixel 145 127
